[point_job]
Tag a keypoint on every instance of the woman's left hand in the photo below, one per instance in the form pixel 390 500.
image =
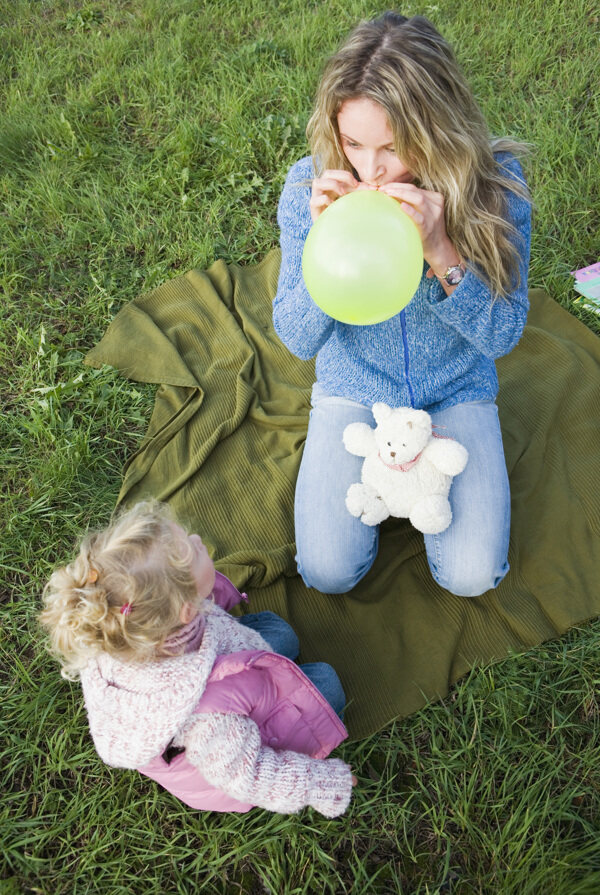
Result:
pixel 426 208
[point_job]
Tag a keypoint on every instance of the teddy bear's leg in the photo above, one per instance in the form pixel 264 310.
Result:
pixel 363 501
pixel 431 514
pixel 355 498
pixel 375 511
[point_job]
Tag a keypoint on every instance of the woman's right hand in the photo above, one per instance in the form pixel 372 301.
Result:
pixel 329 187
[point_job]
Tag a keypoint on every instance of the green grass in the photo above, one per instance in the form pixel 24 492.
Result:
pixel 140 138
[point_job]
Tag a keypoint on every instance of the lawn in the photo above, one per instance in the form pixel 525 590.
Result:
pixel 139 139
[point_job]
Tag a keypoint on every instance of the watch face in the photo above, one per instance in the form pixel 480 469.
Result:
pixel 454 276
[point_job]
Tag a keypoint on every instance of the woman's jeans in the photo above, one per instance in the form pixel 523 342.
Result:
pixel 282 639
pixel 335 550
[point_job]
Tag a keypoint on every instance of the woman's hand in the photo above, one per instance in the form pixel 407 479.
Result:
pixel 426 208
pixel 329 187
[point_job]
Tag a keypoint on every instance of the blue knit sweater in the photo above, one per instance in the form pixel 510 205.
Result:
pixel 437 352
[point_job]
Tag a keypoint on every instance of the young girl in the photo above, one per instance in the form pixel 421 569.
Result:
pixel 174 686
pixel 394 113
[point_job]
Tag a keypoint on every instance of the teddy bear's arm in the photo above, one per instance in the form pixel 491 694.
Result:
pixel 359 439
pixel 447 455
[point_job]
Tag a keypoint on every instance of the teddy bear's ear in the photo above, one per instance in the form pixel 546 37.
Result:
pixel 381 411
pixel 419 418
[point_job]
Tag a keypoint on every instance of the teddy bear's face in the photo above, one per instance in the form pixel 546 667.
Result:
pixel 402 435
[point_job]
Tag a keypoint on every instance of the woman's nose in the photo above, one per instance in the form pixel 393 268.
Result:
pixel 373 168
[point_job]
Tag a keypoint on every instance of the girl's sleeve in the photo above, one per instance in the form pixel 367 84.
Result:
pixel 227 750
pixel 492 325
pixel 300 324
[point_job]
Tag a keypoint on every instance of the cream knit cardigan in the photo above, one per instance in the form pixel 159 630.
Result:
pixel 135 710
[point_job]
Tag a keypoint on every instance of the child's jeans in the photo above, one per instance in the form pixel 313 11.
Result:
pixel 283 640
pixel 335 550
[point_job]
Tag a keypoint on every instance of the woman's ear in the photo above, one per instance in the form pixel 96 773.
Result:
pixel 187 613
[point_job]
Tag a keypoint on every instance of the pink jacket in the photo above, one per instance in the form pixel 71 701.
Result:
pixel 289 711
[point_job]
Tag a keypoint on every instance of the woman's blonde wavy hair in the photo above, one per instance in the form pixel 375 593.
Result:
pixel 138 560
pixel 440 134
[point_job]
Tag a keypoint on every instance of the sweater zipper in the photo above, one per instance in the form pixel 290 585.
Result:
pixel 406 362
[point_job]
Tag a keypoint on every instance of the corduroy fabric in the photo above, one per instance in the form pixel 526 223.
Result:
pixel 224 445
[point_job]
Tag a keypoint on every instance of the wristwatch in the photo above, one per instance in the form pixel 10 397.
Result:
pixel 453 275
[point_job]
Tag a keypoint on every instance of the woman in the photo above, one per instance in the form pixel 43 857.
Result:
pixel 394 113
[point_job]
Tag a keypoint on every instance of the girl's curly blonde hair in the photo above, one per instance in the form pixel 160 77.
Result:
pixel 406 67
pixel 123 593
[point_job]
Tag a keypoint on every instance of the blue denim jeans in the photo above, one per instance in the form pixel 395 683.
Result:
pixel 282 639
pixel 335 550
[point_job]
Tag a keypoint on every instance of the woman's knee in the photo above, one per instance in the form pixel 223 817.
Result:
pixel 331 574
pixel 470 581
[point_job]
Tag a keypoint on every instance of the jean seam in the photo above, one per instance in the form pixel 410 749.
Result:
pixel 438 558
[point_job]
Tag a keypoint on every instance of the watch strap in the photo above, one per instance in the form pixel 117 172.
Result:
pixel 454 274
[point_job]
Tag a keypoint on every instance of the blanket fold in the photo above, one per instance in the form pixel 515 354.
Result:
pixel 224 444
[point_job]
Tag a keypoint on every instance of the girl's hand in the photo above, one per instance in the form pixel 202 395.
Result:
pixel 329 187
pixel 426 208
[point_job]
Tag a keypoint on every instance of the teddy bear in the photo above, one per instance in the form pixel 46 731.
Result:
pixel 407 471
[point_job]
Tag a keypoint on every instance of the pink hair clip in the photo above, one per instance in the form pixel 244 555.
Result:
pixel 125 608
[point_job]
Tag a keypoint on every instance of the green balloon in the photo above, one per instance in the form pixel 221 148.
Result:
pixel 363 258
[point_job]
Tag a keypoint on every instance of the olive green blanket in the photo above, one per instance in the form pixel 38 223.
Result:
pixel 223 448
